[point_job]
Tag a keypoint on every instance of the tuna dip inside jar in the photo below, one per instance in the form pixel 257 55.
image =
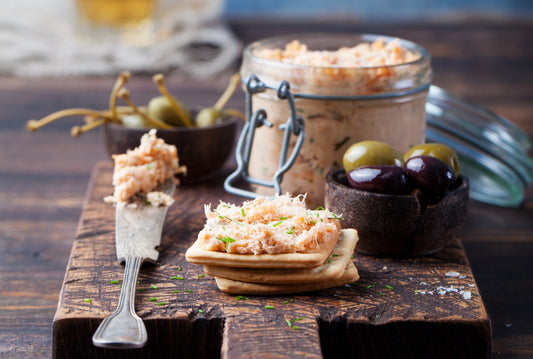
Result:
pixel 347 88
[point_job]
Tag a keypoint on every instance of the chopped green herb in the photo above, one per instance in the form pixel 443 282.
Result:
pixel 140 289
pixel 290 231
pixel 153 286
pixel 226 240
pixel 285 302
pixel 382 294
pixel 283 218
pixel 269 307
pixel 242 212
pixel 179 269
pixel 334 255
pixel 338 145
pixel 175 291
pixel 152 299
pixel 312 222
pixel 147 202
pixel 188 291
pixel 289 323
pixel 200 311
pixel 388 287
pixel 161 303
pixel 176 277
pixel 277 223
pixel 201 276
pixel 370 285
pixel 229 219
pixel 320 208
pixel 240 297
pixel 295 327
pixel 336 217
pixel 114 281
pixel 87 300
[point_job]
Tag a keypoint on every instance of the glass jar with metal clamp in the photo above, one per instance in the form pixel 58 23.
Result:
pixel 314 111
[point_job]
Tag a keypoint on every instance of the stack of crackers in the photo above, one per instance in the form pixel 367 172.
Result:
pixel 285 273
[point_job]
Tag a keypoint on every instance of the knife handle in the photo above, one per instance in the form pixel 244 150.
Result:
pixel 124 329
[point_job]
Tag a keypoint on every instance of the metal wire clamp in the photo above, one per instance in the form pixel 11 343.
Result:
pixel 293 126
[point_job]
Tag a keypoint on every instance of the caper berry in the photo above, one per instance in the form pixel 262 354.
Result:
pixel 208 117
pixel 369 153
pixel 160 108
pixel 437 150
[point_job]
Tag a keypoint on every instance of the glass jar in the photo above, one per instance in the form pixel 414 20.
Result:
pixel 340 105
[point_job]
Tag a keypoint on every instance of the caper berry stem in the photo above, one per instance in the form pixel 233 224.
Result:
pixel 78 130
pixel 33 125
pixel 159 80
pixel 232 86
pixel 123 77
pixel 125 95
pixel 233 112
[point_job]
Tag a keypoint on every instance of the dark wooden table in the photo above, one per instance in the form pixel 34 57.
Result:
pixel 43 176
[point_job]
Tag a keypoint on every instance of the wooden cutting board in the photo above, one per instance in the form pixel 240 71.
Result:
pixel 426 307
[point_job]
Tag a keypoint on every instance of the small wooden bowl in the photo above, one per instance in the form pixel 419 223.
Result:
pixel 203 150
pixel 397 225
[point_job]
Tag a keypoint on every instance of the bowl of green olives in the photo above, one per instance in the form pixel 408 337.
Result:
pixel 204 138
pixel 401 205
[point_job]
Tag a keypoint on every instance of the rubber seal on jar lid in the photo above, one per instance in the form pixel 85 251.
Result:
pixel 493 152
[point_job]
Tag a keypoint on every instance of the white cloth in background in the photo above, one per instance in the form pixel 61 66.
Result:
pixel 41 38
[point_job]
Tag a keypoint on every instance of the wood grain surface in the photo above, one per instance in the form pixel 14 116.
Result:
pixel 44 175
pixel 429 307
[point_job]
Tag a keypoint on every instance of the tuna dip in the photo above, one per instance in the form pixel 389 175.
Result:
pixel 347 88
pixel 281 225
pixel 138 172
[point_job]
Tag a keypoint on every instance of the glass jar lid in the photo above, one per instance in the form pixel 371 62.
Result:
pixel 493 152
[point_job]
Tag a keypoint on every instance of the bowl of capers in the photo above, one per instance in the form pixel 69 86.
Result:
pixel 401 205
pixel 203 137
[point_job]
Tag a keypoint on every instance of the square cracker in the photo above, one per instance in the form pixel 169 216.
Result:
pixel 197 255
pixel 331 269
pixel 230 286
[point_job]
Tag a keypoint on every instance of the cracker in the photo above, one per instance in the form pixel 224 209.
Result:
pixel 197 255
pixel 230 286
pixel 331 269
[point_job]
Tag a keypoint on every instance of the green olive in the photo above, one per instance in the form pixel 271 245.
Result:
pixel 160 108
pixel 208 117
pixel 368 153
pixel 437 150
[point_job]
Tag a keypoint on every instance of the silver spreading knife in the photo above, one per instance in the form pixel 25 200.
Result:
pixel 137 234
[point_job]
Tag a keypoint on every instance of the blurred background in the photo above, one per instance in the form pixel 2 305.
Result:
pixel 393 10
pixel 102 37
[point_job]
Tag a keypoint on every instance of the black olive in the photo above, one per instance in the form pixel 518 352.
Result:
pixel 431 175
pixel 386 179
